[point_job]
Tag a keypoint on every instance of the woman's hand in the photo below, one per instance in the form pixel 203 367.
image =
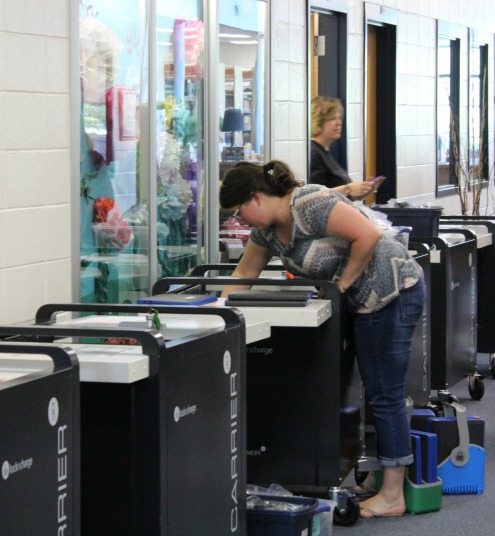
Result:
pixel 252 262
pixel 360 190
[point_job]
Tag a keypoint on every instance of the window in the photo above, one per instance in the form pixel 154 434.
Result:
pixel 449 150
pixel 478 106
pixel 241 74
pixel 241 100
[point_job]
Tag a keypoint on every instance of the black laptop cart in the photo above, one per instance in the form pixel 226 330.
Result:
pixel 164 455
pixel 454 310
pixel 39 446
pixel 303 393
pixel 486 281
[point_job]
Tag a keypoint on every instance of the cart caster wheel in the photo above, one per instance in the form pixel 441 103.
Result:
pixel 452 398
pixel 492 364
pixel 476 387
pixel 349 515
pixel 446 396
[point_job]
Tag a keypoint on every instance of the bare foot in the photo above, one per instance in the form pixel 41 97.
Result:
pixel 377 506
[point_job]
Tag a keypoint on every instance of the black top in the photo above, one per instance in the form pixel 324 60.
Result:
pixel 324 169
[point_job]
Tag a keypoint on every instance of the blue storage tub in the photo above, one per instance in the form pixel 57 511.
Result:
pixel 271 522
pixel 469 478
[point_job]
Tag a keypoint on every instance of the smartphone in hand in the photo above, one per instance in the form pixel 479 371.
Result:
pixel 380 179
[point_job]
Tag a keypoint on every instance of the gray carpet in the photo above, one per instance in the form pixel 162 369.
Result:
pixel 459 514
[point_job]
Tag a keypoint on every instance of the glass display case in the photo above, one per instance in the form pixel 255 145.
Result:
pixel 241 101
pixel 143 143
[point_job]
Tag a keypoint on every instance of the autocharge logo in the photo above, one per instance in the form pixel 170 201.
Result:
pixel 180 413
pixel 11 468
pixel 260 350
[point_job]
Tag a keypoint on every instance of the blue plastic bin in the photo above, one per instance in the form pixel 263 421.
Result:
pixel 275 523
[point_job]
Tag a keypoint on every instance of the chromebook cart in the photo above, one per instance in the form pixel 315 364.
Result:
pixel 162 422
pixel 303 395
pixel 484 229
pixel 453 262
pixel 39 446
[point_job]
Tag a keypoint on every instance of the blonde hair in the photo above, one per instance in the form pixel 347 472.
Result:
pixel 324 109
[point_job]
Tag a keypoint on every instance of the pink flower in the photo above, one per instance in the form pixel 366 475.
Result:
pixel 112 232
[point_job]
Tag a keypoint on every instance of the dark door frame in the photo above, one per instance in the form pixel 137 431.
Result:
pixel 338 10
pixel 385 21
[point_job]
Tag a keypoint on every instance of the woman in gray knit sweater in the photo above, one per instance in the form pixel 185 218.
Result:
pixel 318 233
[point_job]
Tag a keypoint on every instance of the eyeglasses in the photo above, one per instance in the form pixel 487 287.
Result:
pixel 237 213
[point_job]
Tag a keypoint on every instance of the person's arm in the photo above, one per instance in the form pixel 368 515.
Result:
pixel 252 262
pixel 361 190
pixel 348 223
pixel 320 174
pixel 355 190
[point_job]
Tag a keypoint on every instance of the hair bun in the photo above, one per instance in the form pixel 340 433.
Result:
pixel 268 168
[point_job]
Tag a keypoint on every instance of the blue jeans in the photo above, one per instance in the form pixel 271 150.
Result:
pixel 383 347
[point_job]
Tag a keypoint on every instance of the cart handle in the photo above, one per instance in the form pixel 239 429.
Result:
pixel 459 455
pixel 46 313
pixel 63 358
pixel 152 342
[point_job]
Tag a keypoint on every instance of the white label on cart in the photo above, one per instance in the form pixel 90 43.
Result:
pixel 180 413
pixel 53 411
pixel 62 478
pixel 234 394
pixel 260 350
pixel 256 452
pixel 5 470
pixel 227 362
pixel 11 468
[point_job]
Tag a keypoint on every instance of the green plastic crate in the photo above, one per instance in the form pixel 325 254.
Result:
pixel 420 498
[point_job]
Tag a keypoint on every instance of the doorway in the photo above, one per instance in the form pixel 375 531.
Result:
pixel 327 62
pixel 380 102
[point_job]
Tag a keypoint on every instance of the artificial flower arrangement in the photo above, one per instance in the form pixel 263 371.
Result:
pixel 195 47
pixel 174 192
pixel 112 231
pixel 174 197
pixel 138 218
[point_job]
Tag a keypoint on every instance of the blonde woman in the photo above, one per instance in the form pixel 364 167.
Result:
pixel 326 127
